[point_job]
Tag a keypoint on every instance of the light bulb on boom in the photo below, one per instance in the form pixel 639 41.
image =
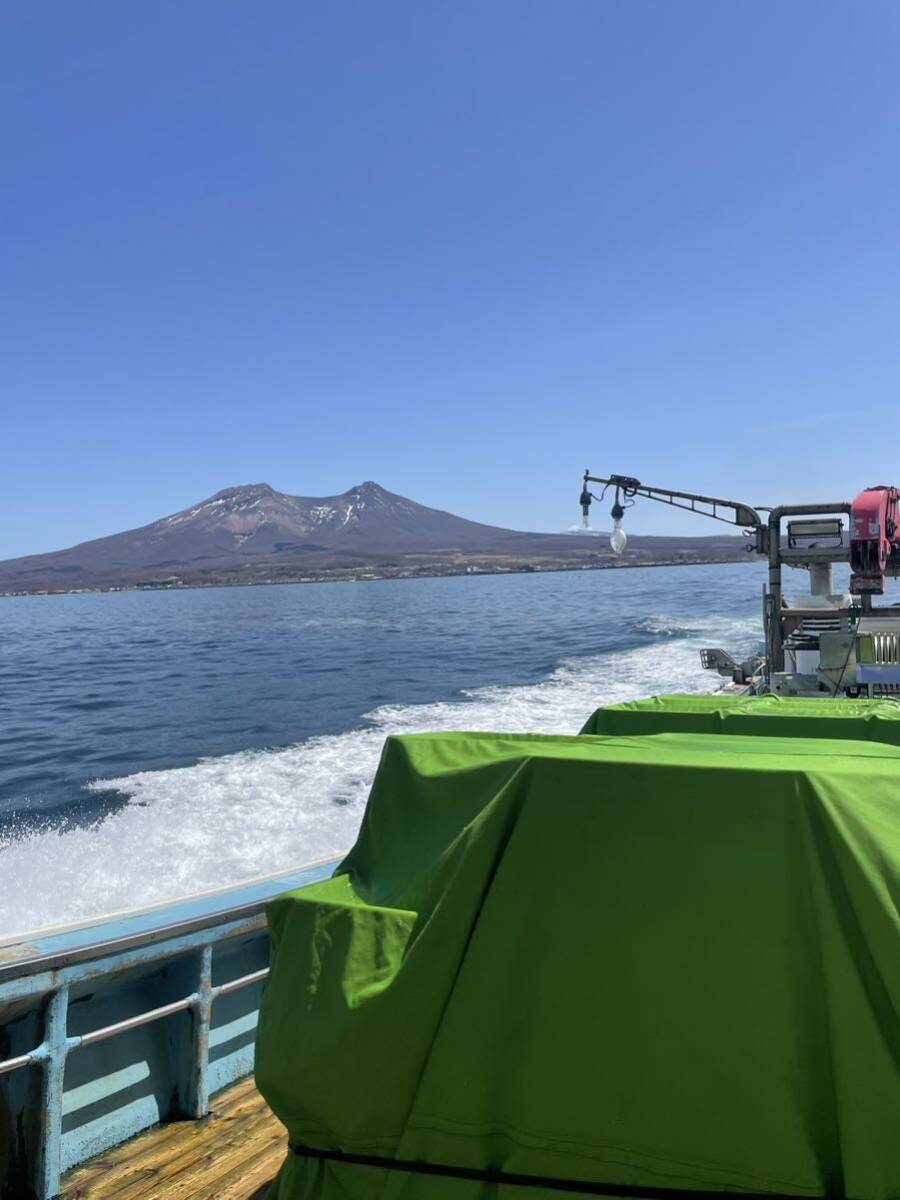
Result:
pixel 618 539
pixel 585 502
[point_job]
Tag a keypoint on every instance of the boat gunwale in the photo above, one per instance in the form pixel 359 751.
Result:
pixel 56 947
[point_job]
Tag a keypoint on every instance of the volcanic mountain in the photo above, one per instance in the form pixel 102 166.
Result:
pixel 253 534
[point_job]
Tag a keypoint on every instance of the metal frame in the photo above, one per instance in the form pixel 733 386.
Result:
pixel 49 974
pixel 778 556
pixel 767 541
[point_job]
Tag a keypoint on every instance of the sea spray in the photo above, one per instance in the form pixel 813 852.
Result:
pixel 239 815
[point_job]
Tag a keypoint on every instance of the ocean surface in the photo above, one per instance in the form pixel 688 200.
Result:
pixel 160 743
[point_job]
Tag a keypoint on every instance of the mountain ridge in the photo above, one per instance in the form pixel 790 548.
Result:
pixel 254 533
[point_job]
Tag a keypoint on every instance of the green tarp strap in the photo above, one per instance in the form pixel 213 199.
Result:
pixel 530 1182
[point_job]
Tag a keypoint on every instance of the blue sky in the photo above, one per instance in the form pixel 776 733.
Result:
pixel 465 249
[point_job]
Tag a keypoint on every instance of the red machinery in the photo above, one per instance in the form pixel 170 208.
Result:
pixel 874 536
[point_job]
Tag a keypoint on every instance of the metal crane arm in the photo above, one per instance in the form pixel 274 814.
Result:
pixel 741 514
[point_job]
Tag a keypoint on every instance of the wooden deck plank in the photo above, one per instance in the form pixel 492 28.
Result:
pixel 226 1100
pixel 197 1156
pixel 150 1157
pixel 260 1177
pixel 234 1102
pixel 204 1160
pixel 234 1153
pixel 208 1181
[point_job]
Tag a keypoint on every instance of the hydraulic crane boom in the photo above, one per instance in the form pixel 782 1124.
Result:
pixel 736 513
pixel 874 522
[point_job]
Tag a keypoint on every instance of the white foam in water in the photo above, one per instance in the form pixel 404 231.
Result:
pixel 255 812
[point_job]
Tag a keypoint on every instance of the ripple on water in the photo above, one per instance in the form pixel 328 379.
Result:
pixel 237 808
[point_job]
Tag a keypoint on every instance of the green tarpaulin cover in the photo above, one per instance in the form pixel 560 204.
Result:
pixel 665 961
pixel 774 716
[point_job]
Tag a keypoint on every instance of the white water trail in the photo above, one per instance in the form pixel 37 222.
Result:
pixel 233 817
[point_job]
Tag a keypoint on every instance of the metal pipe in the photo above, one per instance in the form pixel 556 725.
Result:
pixel 774 641
pixel 42 1054
pixel 13 1064
pixel 234 984
pixel 152 1014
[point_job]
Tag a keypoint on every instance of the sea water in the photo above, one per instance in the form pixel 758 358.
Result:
pixel 160 743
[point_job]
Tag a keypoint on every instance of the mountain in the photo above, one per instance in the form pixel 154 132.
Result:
pixel 253 534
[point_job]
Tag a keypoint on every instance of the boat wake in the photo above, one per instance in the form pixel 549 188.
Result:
pixel 670 627
pixel 255 812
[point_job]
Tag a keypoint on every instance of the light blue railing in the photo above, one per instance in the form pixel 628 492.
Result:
pixel 192 956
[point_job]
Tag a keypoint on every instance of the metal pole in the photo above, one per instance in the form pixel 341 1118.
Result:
pixel 199 1094
pixel 774 642
pixel 53 1054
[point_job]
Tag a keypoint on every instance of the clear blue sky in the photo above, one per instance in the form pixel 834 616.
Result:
pixel 463 248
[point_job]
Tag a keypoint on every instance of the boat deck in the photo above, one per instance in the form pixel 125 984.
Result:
pixel 231 1155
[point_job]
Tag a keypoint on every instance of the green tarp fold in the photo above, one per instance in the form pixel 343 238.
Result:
pixel 665 961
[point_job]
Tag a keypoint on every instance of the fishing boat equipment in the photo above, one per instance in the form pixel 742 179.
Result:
pixel 821 642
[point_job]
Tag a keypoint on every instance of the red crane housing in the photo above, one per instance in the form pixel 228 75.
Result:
pixel 874 535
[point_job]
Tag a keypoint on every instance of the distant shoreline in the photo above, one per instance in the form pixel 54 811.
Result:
pixel 375 577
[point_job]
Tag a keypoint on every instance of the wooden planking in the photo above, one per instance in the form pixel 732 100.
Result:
pixel 232 1155
pixel 165 1142
pixel 236 1101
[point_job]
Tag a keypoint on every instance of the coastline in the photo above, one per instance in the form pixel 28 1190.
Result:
pixel 338 576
